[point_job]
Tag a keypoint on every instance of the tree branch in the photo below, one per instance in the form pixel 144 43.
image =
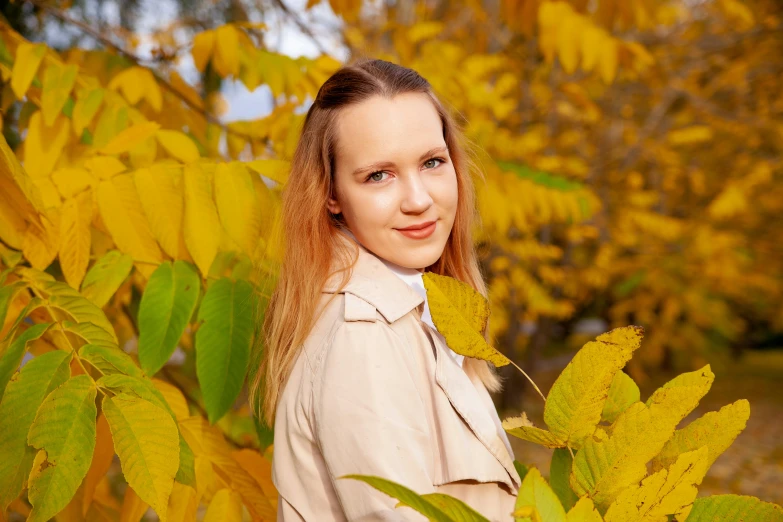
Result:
pixel 137 61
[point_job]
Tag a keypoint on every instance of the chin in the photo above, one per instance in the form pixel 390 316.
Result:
pixel 418 258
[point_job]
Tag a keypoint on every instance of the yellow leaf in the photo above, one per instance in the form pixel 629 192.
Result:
pixel 690 135
pixel 535 492
pixel 85 109
pixel 74 251
pixel 203 44
pixel 101 462
pixel 568 40
pixel 12 225
pixel 137 83
pixel 104 167
pixel 714 430
pixel 461 314
pixel 208 441
pixel 161 193
pixel 133 508
pixel 49 194
pixel 112 121
pixel 202 225
pixel 130 137
pixel 592 45
pixel 123 216
pixel 226 506
pixel 178 145
pixel 604 468
pixel 583 511
pixel 608 61
pixel 40 244
pixel 260 468
pixel 522 428
pixel 28 59
pixel 174 398
pixel 146 440
pixel 275 170
pixel 58 81
pixel 183 504
pixel 17 185
pixel 238 207
pixel 144 154
pixel 622 393
pixel 575 402
pixel 44 145
pixel 666 492
pixel 72 180
pixel 226 57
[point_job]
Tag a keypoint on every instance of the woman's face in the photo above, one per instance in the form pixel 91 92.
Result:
pixel 393 171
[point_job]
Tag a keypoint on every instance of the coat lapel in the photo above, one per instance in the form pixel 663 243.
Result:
pixel 465 399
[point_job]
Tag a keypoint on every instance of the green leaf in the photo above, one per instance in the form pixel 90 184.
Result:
pixel 145 439
pixel 454 508
pixel 64 427
pixel 105 276
pixel 546 179
pixel 460 314
pixel 622 393
pixel 65 298
pixel 186 473
pixel 164 313
pixel 226 317
pixel 23 396
pixel 734 508
pixel 535 492
pixel 11 358
pixel 109 360
pixel 606 466
pixel 266 435
pixel 716 430
pixel 559 472
pixel 406 497
pixel 521 469
pixel 92 334
pixel 575 402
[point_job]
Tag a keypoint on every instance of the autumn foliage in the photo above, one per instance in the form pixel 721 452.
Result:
pixel 632 158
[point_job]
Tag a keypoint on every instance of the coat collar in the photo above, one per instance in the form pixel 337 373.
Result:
pixel 372 281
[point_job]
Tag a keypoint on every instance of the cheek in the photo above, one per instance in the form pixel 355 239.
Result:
pixel 368 209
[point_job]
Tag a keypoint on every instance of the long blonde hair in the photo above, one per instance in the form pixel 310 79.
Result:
pixel 310 230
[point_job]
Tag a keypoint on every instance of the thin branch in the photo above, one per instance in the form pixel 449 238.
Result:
pixel 301 25
pixel 137 61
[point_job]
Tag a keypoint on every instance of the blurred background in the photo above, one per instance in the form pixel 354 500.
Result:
pixel 632 154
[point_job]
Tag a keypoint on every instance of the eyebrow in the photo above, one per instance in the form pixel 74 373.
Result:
pixel 385 164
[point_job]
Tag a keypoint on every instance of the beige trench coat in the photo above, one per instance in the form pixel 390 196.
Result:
pixel 373 392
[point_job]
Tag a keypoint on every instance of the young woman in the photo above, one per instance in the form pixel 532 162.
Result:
pixel 355 376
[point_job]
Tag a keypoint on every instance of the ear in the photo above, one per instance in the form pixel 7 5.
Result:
pixel 333 206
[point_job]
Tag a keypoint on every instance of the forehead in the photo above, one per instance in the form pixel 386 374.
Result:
pixel 379 129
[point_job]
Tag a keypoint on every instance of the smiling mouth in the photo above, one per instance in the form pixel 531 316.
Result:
pixel 419 233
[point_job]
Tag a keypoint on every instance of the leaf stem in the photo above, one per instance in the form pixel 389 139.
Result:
pixel 528 378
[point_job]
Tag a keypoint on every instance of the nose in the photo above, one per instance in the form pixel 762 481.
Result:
pixel 416 197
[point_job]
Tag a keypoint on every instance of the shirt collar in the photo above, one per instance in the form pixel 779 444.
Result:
pixel 373 280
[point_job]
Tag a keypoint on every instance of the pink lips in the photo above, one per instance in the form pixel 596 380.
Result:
pixel 419 233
